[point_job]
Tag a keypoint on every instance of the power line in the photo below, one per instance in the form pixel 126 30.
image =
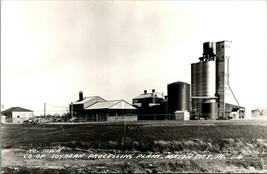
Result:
pixel 57 106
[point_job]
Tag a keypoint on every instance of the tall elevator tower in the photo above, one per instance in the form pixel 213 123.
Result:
pixel 222 75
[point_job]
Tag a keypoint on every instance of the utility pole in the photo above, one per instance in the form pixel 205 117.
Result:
pixel 44 109
pixel 71 110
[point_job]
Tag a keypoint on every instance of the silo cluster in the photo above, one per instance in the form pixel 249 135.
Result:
pixel 203 81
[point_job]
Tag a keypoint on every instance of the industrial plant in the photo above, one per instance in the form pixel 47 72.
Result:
pixel 208 97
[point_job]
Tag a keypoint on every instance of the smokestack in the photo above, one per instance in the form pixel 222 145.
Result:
pixel 145 91
pixel 80 96
pixel 153 91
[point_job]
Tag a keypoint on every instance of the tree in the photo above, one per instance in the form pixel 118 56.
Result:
pixel 262 111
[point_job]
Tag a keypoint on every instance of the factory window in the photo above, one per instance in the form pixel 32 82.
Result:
pixel 222 46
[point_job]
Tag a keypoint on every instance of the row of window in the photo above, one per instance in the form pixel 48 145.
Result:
pixel 226 46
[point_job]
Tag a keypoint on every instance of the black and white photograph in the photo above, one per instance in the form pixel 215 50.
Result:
pixel 133 86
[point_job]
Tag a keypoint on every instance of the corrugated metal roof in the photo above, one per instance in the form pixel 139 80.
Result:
pixel 235 109
pixel 86 99
pixel 103 105
pixel 114 104
pixel 15 109
pixel 149 95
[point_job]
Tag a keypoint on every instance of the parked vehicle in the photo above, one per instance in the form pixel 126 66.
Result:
pixel 30 121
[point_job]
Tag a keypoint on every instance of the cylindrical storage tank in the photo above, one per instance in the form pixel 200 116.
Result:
pixel 178 97
pixel 209 48
pixel 209 78
pixel 210 110
pixel 194 77
pixel 206 47
pixel 200 79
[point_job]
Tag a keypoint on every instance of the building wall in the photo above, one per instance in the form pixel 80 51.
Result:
pixel 100 115
pixel 182 115
pixel 3 119
pixel 255 112
pixel 19 117
pixel 122 118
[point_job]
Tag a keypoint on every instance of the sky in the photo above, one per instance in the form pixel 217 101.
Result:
pixel 51 50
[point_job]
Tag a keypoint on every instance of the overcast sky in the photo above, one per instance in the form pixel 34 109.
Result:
pixel 51 50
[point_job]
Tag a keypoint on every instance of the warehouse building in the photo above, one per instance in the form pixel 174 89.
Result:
pixel 16 115
pixel 211 94
pixel 97 109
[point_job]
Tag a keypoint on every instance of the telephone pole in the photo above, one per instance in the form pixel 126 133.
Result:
pixel 44 109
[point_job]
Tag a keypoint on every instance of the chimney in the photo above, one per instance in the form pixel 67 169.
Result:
pixel 80 96
pixel 153 91
pixel 145 91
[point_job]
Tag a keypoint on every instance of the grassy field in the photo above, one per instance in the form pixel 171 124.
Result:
pixel 246 138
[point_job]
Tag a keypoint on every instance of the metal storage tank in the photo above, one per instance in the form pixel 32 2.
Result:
pixel 210 110
pixel 209 78
pixel 178 97
pixel 200 79
pixel 209 48
pixel 194 77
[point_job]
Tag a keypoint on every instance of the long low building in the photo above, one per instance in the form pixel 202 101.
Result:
pixel 97 109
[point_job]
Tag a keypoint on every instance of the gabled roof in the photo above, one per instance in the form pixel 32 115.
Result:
pixel 15 109
pixel 86 99
pixel 114 104
pixel 149 95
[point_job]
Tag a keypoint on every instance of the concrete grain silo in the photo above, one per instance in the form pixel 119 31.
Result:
pixel 194 79
pixel 200 79
pixel 210 110
pixel 209 78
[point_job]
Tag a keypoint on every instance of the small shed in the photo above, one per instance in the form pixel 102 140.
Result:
pixel 237 113
pixel 182 115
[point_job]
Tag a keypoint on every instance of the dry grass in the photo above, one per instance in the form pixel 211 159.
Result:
pixel 247 139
